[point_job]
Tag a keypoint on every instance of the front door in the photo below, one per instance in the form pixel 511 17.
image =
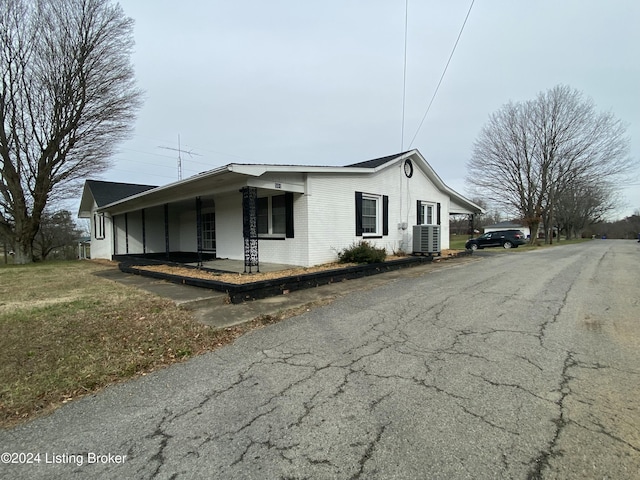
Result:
pixel 209 232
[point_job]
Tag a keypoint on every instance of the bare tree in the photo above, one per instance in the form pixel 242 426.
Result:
pixel 67 96
pixel 58 230
pixel 530 153
pixel 580 205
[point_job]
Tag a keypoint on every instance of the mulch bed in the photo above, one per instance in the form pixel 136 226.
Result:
pixel 245 287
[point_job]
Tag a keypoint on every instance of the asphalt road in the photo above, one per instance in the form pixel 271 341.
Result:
pixel 515 365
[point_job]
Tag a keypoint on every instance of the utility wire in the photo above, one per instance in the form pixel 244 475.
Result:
pixel 404 74
pixel 443 73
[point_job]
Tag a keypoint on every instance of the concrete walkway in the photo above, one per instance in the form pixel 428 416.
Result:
pixel 211 307
pixel 237 266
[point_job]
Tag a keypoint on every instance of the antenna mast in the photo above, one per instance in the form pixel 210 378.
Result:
pixel 179 150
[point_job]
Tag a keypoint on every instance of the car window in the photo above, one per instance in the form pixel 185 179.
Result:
pixel 486 235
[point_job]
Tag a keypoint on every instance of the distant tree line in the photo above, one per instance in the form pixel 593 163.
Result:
pixel 628 228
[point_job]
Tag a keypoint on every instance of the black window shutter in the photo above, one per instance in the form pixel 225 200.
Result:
pixel 288 208
pixel 438 217
pixel 358 214
pixel 385 215
pixel 419 212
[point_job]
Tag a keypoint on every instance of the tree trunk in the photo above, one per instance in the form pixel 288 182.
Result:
pixel 533 225
pixel 26 231
pixel 23 254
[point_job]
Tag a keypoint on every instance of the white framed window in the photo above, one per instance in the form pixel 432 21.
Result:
pixel 371 215
pixel 272 216
pixel 209 231
pixel 98 226
pixel 428 213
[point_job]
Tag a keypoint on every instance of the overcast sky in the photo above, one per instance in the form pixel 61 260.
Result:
pixel 321 82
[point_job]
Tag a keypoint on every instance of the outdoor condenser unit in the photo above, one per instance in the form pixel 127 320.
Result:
pixel 426 239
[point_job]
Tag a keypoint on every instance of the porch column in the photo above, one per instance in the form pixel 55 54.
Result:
pixel 166 229
pixel 126 233
pixel 250 227
pixel 199 228
pixel 471 225
pixel 144 236
pixel 114 234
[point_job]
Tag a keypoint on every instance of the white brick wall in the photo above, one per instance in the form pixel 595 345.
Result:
pixel 324 218
pixel 332 210
pixel 291 251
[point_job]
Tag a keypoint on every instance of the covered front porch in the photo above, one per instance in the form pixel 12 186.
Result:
pixel 239 223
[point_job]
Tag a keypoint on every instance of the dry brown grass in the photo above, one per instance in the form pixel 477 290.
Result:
pixel 67 333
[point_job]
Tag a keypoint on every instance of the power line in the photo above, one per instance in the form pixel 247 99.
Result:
pixel 145 173
pixel 443 73
pixel 404 73
pixel 147 153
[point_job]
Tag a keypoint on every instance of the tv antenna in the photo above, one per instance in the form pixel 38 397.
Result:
pixel 180 152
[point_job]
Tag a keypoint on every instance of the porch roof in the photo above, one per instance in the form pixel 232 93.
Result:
pixel 104 193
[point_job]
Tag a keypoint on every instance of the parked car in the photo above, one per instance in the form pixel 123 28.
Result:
pixel 499 238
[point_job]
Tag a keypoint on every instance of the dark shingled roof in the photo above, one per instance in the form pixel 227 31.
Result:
pixel 105 193
pixel 376 162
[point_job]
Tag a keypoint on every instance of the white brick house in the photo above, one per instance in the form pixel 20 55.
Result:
pixel 303 215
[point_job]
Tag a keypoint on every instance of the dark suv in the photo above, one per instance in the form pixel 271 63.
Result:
pixel 500 238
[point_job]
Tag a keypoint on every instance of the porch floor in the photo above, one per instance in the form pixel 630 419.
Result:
pixel 237 266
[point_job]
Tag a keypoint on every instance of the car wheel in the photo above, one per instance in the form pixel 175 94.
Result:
pixel 474 247
pixel 507 244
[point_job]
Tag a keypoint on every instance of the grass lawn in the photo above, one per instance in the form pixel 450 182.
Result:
pixel 456 242
pixel 67 333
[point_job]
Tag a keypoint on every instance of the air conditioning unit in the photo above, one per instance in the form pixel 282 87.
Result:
pixel 426 239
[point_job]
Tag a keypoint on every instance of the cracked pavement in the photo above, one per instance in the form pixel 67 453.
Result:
pixel 515 365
